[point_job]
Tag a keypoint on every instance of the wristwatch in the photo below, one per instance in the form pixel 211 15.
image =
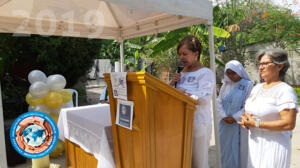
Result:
pixel 257 123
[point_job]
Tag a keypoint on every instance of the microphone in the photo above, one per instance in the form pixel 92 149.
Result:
pixel 179 69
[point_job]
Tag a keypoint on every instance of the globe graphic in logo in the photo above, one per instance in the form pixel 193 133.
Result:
pixel 34 134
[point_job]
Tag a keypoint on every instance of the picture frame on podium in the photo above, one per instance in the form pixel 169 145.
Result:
pixel 124 113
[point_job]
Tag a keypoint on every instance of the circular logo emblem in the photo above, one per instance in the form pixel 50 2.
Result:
pixel 34 134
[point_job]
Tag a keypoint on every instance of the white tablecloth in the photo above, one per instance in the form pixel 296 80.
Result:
pixel 85 126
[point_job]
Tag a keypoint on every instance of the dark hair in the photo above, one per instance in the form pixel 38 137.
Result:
pixel 192 43
pixel 278 56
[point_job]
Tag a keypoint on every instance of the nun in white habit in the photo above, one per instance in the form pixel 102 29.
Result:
pixel 233 94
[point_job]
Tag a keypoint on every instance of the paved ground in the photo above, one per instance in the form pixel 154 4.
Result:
pixel 295 162
pixel 93 98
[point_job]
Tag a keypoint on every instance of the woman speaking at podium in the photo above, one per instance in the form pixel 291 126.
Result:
pixel 196 81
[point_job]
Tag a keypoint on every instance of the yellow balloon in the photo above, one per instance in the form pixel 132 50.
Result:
pixel 66 94
pixel 54 99
pixel 54 117
pixel 58 150
pixel 33 101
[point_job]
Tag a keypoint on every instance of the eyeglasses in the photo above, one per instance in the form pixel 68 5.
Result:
pixel 264 64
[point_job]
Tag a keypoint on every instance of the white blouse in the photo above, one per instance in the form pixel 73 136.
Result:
pixel 265 104
pixel 200 83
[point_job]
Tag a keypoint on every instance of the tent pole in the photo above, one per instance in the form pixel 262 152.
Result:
pixel 3 163
pixel 122 55
pixel 214 96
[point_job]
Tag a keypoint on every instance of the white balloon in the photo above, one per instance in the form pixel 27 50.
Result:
pixel 36 75
pixel 38 90
pixel 42 108
pixel 56 82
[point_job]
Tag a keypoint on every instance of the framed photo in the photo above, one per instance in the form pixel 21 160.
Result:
pixel 124 114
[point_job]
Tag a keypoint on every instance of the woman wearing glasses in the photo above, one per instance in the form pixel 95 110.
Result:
pixel 270 113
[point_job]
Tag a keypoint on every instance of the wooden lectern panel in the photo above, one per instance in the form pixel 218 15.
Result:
pixel 162 128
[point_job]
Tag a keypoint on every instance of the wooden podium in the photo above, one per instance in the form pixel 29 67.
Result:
pixel 162 128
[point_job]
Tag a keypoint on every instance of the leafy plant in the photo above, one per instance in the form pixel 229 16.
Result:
pixel 165 61
pixel 135 62
pixel 172 38
pixel 71 57
pixel 297 90
pixel 14 90
pixel 255 22
pixel 141 46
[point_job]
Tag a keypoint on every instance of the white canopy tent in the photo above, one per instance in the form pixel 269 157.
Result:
pixel 103 19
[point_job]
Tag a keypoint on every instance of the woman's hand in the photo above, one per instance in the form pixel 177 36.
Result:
pixel 176 78
pixel 286 122
pixel 247 121
pixel 229 120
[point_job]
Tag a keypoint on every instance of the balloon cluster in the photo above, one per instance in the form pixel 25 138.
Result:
pixel 47 95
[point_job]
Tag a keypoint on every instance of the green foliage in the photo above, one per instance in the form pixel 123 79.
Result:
pixel 142 46
pixel 144 68
pixel 14 90
pixel 297 90
pixel 166 60
pixel 218 32
pixel 111 50
pixel 277 25
pixel 71 57
pixel 172 38
pixel 258 22
pixel 169 40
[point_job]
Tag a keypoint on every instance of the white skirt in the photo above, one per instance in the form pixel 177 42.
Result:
pixel 269 149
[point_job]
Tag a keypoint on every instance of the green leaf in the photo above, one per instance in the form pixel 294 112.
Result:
pixel 132 45
pixel 136 54
pixel 219 32
pixel 170 40
pixel 144 68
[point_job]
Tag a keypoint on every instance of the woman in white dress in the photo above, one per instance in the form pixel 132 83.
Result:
pixel 270 113
pixel 196 81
